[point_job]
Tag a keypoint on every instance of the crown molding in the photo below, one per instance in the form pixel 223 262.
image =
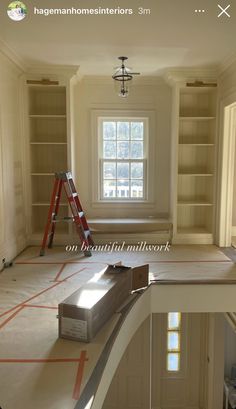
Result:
pixel 14 58
pixel 228 63
pixel 53 70
pixel 228 69
pixel 181 75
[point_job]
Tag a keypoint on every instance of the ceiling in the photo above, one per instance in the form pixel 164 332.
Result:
pixel 173 35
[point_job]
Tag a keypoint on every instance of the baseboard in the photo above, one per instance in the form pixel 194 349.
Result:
pixel 176 407
pixel 194 239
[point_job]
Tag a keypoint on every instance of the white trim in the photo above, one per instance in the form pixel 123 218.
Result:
pixel 233 231
pixel 24 136
pixel 95 183
pixel 231 319
pixel 66 70
pixel 227 70
pixel 227 62
pixel 226 173
pixel 206 238
pixel 129 160
pixel 2 215
pixel 12 56
pixel 182 74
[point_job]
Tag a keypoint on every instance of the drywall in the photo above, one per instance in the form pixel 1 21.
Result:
pixel 99 94
pixel 12 213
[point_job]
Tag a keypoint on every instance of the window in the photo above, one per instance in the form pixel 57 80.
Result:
pixel 123 158
pixel 173 341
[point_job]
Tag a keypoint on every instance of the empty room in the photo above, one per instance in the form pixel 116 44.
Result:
pixel 117 204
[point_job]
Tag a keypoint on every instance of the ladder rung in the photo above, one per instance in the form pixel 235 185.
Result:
pixel 87 233
pixel 63 219
pixel 64 180
pixel 73 196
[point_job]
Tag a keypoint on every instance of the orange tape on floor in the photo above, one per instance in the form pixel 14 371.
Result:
pixel 11 317
pixel 29 299
pixel 79 376
pixel 191 261
pixel 38 262
pixel 40 293
pixel 21 308
pixel 41 306
pixel 33 361
pixel 61 262
pixel 81 360
pixel 73 274
pixel 59 272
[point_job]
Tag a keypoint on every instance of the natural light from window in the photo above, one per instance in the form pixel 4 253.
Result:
pixel 173 341
pixel 123 159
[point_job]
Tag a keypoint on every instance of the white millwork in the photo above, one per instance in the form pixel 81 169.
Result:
pixel 193 167
pixel 49 140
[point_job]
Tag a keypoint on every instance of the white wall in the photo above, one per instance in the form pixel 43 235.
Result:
pixel 130 386
pixel 228 85
pixel 234 200
pixel 12 208
pixel 180 390
pixel 215 355
pixel 93 93
pixel 230 348
pixel 227 96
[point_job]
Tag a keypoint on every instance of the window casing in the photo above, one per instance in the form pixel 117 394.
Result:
pixel 98 198
pixel 123 155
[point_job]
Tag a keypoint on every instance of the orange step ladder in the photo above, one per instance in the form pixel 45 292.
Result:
pixel 64 179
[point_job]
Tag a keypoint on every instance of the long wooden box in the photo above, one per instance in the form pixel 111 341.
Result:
pixel 84 312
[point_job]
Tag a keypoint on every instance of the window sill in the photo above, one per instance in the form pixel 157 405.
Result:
pixel 116 204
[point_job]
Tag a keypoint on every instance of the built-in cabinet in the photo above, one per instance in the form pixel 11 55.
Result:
pixel 48 139
pixel 194 176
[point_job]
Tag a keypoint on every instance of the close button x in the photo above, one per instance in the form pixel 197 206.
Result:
pixel 224 10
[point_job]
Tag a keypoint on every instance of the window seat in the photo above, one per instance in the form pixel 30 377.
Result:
pixel 130 225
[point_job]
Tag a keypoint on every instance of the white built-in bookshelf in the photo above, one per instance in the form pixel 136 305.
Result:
pixel 48 150
pixel 195 199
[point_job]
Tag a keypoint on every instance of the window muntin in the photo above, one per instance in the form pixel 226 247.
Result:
pixel 123 147
pixel 173 341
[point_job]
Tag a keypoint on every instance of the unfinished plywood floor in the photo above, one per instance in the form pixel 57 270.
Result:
pixel 36 368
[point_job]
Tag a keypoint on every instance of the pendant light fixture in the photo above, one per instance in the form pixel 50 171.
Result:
pixel 123 78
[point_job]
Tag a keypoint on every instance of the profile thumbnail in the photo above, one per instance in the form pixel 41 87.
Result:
pixel 17 11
